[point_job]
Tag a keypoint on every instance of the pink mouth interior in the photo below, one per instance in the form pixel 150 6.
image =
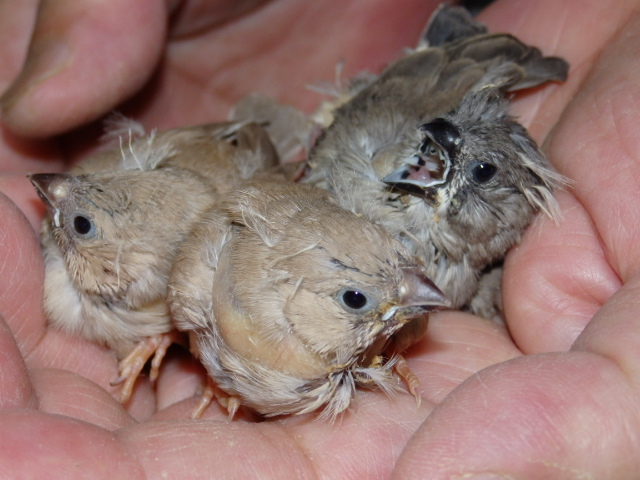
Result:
pixel 419 174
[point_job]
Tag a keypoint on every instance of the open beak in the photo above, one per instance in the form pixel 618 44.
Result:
pixel 429 168
pixel 420 175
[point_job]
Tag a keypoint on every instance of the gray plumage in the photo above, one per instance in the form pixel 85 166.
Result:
pixel 428 149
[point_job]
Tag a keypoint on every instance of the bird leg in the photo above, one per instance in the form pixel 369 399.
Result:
pixel 413 384
pixel 130 367
pixel 227 401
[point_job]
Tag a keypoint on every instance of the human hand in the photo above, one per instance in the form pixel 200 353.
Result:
pixel 568 409
pixel 87 58
pixel 487 424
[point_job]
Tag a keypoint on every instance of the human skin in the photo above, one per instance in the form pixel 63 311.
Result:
pixel 558 398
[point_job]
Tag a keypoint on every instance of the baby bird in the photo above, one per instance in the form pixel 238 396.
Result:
pixel 116 223
pixel 291 300
pixel 428 149
pixel 226 153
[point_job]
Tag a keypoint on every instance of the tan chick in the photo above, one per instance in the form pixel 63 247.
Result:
pixel 291 300
pixel 114 226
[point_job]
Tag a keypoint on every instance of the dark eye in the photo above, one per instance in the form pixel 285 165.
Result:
pixel 82 225
pixel 483 172
pixel 355 299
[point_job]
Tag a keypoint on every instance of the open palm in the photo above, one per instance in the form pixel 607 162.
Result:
pixel 569 289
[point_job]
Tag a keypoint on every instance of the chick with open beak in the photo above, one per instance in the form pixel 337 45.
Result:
pixel 428 148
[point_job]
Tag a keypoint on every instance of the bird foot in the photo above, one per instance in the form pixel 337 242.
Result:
pixel 130 367
pixel 231 403
pixel 413 384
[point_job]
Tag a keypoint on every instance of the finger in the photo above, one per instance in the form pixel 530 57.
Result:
pixel 613 334
pixel 21 276
pixel 556 280
pixel 540 416
pixel 62 392
pixel 189 448
pixel 575 267
pixel 74 355
pixel 37 445
pixel 455 347
pixel 15 385
pixel 16 23
pixel 84 58
pixel 596 144
pixel 366 442
pixel 543 416
pixel 296 447
pixel 555 28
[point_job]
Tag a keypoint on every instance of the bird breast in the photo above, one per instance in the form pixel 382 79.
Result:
pixel 242 328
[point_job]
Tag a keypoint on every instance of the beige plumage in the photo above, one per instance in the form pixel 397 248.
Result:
pixel 116 222
pixel 226 153
pixel 427 149
pixel 290 300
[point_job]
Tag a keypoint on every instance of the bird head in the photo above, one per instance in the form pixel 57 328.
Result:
pixel 479 172
pixel 357 289
pixel 111 229
pixel 333 279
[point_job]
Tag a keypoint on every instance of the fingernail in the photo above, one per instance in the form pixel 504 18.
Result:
pixel 45 59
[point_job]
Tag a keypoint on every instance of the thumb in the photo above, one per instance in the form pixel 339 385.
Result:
pixel 84 58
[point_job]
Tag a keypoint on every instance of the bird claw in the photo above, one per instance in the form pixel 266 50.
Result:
pixel 413 384
pixel 130 367
pixel 231 403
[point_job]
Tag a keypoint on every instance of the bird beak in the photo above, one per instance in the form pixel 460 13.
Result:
pixel 419 177
pixel 52 188
pixel 429 168
pixel 418 295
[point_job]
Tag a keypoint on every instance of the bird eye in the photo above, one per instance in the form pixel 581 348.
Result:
pixel 355 300
pixel 83 225
pixel 483 172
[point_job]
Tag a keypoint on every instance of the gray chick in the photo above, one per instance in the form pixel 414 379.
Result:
pixel 428 149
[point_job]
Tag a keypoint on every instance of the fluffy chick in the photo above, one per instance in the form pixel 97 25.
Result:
pixel 427 149
pixel 114 227
pixel 291 300
pixel 226 153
